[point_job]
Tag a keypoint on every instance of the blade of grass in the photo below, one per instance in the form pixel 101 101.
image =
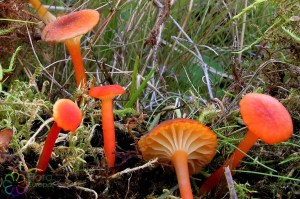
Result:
pixel 268 174
pixel 19 21
pixel 134 76
pixel 136 94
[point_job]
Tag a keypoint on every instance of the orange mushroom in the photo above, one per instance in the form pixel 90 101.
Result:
pixel 43 13
pixel 69 30
pixel 267 119
pixel 67 116
pixel 5 138
pixel 188 144
pixel 106 94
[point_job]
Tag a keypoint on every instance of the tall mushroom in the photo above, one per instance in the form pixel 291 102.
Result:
pixel 186 143
pixel 267 119
pixel 67 116
pixel 43 13
pixel 106 94
pixel 69 30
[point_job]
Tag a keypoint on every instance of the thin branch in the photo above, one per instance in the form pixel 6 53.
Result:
pixel 130 170
pixel 230 183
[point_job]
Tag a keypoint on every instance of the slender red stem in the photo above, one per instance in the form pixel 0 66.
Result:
pixel 233 161
pixel 180 163
pixel 73 46
pixel 48 147
pixel 108 127
pixel 43 13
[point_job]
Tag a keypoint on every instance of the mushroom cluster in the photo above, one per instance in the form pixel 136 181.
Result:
pixel 69 29
pixel 186 144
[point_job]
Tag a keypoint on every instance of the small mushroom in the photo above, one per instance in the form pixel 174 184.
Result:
pixel 67 116
pixel 43 13
pixel 5 138
pixel 267 119
pixel 69 30
pixel 186 143
pixel 106 94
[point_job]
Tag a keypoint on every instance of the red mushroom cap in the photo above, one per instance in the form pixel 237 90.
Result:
pixel 187 135
pixel 266 117
pixel 66 114
pixel 70 26
pixel 109 91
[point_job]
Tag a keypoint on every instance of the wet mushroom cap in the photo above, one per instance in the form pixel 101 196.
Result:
pixel 108 91
pixel 197 140
pixel 266 117
pixel 70 26
pixel 66 114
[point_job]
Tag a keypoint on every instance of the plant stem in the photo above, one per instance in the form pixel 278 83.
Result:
pixel 108 131
pixel 73 46
pixel 43 13
pixel 233 161
pixel 180 163
pixel 47 150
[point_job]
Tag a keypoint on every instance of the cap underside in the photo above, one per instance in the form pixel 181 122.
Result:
pixel 180 134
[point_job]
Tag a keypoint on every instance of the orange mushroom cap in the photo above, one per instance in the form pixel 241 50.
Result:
pixel 5 138
pixel 197 140
pixel 109 91
pixel 266 117
pixel 70 26
pixel 66 114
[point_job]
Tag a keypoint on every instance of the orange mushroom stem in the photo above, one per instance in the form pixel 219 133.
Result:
pixel 188 144
pixel 69 30
pixel 108 128
pixel 73 46
pixel 233 161
pixel 43 13
pixel 267 119
pixel 180 162
pixel 67 116
pixel 48 147
pixel 106 94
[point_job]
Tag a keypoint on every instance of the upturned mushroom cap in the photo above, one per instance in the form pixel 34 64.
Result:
pixel 266 117
pixel 66 114
pixel 70 26
pixel 109 91
pixel 5 138
pixel 197 140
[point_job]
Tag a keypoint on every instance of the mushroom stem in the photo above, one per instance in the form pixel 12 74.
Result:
pixel 239 153
pixel 43 13
pixel 180 162
pixel 47 150
pixel 233 161
pixel 73 46
pixel 108 131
